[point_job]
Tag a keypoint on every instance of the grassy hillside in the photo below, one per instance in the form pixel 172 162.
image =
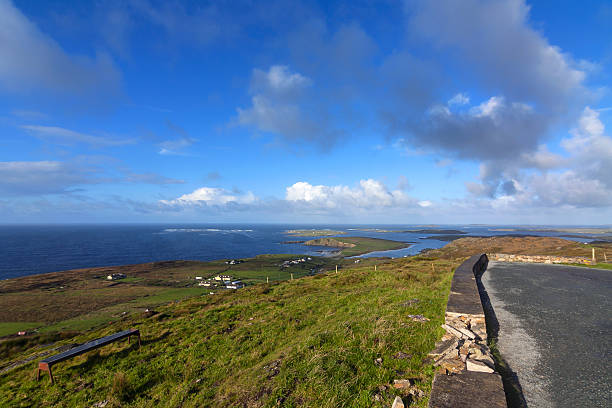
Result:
pixel 84 298
pixel 312 342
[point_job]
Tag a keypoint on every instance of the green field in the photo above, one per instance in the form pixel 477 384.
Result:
pixel 312 342
pixel 7 328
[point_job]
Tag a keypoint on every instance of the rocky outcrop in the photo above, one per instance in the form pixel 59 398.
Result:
pixel 548 259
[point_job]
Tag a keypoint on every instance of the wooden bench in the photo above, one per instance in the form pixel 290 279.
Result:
pixel 45 365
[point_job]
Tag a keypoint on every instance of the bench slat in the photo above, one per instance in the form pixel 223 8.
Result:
pixel 88 346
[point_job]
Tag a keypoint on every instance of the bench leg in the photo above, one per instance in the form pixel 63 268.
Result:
pixel 44 367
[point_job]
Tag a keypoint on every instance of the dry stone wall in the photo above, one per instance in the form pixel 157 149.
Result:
pixel 548 259
pixel 466 374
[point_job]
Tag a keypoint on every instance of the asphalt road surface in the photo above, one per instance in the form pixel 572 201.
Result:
pixel 555 331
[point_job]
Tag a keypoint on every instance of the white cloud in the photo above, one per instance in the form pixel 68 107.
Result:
pixel 369 194
pixel 211 196
pixel 496 39
pixel 590 149
pixel 489 107
pixel 278 79
pixel 175 147
pixel 459 99
pixel 581 178
pixel 29 59
pixel 63 135
pixel 280 106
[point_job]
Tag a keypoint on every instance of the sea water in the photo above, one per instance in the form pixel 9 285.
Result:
pixel 33 249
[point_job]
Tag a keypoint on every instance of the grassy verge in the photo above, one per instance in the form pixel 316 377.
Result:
pixel 596 266
pixel 308 342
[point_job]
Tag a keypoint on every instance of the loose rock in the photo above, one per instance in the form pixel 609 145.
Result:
pixel 402 384
pixel 400 355
pixel 452 331
pixel 418 318
pixel 397 403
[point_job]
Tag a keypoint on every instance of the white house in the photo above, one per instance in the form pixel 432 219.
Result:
pixel 234 285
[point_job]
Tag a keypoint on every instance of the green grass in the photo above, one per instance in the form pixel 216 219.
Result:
pixel 310 342
pixel 596 266
pixel 81 300
pixel 7 328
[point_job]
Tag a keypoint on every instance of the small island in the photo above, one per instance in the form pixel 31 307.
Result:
pixel 352 246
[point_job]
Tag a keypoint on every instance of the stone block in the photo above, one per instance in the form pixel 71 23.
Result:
pixel 467 390
pixel 477 366
pixel 452 331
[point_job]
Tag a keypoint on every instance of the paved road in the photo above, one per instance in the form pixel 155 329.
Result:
pixel 555 331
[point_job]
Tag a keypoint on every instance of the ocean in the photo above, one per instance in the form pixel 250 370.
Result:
pixel 34 249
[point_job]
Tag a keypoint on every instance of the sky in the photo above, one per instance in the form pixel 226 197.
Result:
pixel 366 112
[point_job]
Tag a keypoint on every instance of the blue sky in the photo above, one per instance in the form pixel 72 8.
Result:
pixel 445 111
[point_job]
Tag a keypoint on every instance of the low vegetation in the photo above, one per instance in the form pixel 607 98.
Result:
pixel 326 340
pixel 467 246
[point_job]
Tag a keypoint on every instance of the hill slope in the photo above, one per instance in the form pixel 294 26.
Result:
pixel 313 341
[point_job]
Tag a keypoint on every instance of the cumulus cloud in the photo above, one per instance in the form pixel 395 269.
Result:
pixel 538 85
pixel 294 107
pixel 580 178
pixel 211 196
pixel 30 59
pixel 281 106
pixel 369 194
pixel 495 38
pixel 487 131
pixel 63 135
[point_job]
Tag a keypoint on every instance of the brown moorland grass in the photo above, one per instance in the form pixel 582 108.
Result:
pixel 464 247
